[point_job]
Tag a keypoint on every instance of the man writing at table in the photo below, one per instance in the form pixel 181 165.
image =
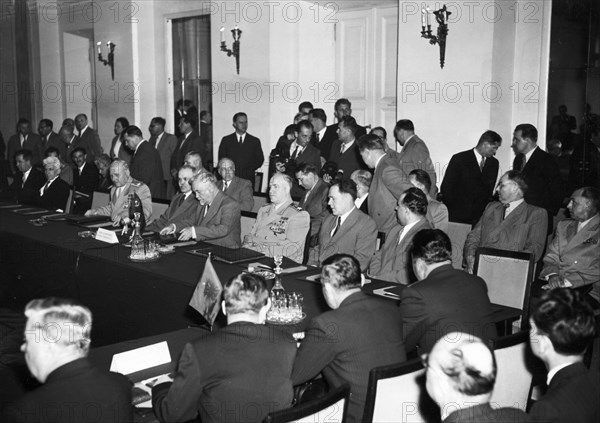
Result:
pixel 237 374
pixel 123 186
pixel 182 203
pixel 216 219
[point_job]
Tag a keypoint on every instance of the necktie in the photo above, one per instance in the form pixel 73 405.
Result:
pixel 24 179
pixel 400 234
pixel 337 226
pixel 44 141
pixel 181 200
pixel 46 185
pixel 318 138
pixel 24 140
pixel 295 153
pixel 520 162
pixel 343 149
pixel 225 185
pixel 117 194
pixel 205 210
pixel 505 210
pixel 482 164
pixel 241 140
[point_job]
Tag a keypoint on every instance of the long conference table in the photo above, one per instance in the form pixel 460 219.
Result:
pixel 131 300
pixel 128 300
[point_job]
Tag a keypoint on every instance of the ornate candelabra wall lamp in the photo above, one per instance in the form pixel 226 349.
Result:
pixel 235 52
pixel 110 61
pixel 441 16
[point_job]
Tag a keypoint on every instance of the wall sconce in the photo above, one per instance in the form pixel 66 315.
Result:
pixel 441 16
pixel 237 33
pixel 111 56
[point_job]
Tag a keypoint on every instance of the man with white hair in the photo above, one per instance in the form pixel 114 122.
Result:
pixel 57 342
pixel 216 218
pixel 237 188
pixel 280 227
pixel 238 373
pixel 123 186
pixel 460 377
pixel 55 192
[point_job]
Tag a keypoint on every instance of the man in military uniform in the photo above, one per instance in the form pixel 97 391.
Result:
pixel 280 227
pixel 123 186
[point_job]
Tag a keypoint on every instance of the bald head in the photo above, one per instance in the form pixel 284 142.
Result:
pixel 226 169
pixel 461 369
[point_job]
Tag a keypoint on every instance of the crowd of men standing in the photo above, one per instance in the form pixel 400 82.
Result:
pixel 343 200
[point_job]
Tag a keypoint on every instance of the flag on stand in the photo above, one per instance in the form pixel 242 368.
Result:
pixel 206 299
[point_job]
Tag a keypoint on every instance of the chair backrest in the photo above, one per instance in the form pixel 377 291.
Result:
pixel 100 199
pixel 513 380
pixel 394 393
pixel 457 232
pixel 247 221
pixel 159 206
pixel 508 276
pixel 259 201
pixel 69 201
pixel 331 408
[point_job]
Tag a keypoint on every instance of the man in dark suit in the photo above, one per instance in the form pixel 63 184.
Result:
pixel 165 144
pixel 393 262
pixel 302 151
pixel 238 373
pixel 509 224
pixel 540 170
pixel 53 195
pixel 362 178
pixel 344 151
pixel 88 137
pixel 188 141
pixel 216 219
pixel 146 165
pixel 28 180
pixel 50 138
pixel 71 140
pixel 314 198
pixel 460 377
pixel 343 108
pixel 470 178
pixel 444 299
pixel 347 230
pixel 237 188
pixel 206 136
pixel 183 203
pixel 24 139
pixel 414 154
pixel 241 147
pixel 367 333
pixel 388 183
pixel 323 136
pixel 57 342
pixel 562 328
pixel 85 181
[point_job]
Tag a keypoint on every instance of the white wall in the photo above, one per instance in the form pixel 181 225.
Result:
pixel 494 60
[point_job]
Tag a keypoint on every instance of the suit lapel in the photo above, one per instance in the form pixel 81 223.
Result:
pixel 348 223
pixel 214 207
pixel 584 234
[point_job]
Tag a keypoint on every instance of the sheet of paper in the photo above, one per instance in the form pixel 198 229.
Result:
pixel 294 269
pixel 141 358
pixel 107 236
